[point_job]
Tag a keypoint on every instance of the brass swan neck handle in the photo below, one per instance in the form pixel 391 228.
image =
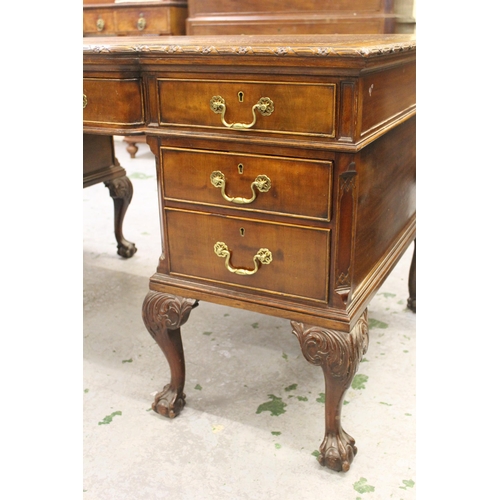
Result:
pixel 264 106
pixel 261 182
pixel 263 256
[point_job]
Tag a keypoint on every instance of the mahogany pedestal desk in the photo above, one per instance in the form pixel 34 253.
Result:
pixel 286 181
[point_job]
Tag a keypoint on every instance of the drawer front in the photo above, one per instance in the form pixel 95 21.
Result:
pixel 98 22
pixel 273 107
pixel 268 184
pixel 300 255
pixel 112 102
pixel 143 20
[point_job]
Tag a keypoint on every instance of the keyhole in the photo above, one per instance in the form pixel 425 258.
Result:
pixel 242 231
pixel 240 168
pixel 241 96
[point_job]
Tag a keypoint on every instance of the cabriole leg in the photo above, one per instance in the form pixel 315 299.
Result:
pixel 412 281
pixel 121 190
pixel 338 354
pixel 163 316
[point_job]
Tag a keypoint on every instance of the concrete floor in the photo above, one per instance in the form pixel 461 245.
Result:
pixel 223 446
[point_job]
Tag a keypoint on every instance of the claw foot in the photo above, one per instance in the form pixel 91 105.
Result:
pixel 337 452
pixel 168 403
pixel 126 249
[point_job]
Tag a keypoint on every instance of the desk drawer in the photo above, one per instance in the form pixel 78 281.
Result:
pixel 269 184
pixel 143 20
pixel 300 255
pixel 283 107
pixel 112 102
pixel 98 22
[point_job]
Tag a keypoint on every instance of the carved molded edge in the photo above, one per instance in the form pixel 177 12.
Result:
pixel 362 48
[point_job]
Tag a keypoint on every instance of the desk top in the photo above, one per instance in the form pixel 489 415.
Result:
pixel 338 46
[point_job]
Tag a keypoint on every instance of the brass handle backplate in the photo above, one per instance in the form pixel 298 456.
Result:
pixel 100 24
pixel 263 256
pixel 264 106
pixel 84 101
pixel 141 22
pixel 261 182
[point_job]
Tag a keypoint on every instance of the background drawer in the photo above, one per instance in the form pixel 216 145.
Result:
pixel 300 188
pixel 124 108
pixel 99 22
pixel 300 255
pixel 156 20
pixel 299 108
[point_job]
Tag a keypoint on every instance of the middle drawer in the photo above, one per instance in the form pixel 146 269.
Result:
pixel 266 184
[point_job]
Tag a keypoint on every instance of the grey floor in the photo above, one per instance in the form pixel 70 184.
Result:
pixel 225 444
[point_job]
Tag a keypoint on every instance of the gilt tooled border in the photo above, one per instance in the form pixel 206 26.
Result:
pixel 253 51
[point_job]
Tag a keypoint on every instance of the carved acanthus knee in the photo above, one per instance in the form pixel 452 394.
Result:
pixel 163 316
pixel 162 312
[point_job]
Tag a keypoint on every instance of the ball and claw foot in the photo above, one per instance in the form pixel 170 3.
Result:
pixel 126 249
pixel 412 304
pixel 337 452
pixel 168 403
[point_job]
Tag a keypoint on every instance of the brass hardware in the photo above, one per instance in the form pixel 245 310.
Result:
pixel 264 106
pixel 141 23
pixel 242 231
pixel 84 101
pixel 261 182
pixel 100 24
pixel 240 168
pixel 241 96
pixel 263 256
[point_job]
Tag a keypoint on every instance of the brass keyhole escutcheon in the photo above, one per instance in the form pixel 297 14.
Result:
pixel 241 96
pixel 141 23
pixel 100 24
pixel 240 168
pixel 242 231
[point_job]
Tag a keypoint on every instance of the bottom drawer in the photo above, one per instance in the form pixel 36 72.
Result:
pixel 294 259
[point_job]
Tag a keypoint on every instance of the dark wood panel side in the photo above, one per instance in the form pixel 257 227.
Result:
pixel 386 197
pixel 99 162
pixel 298 25
pixel 199 7
pixel 387 95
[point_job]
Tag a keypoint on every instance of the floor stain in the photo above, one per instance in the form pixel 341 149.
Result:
pixel 107 420
pixel 362 486
pixel 140 175
pixel 358 382
pixel 408 483
pixel 321 398
pixel 276 406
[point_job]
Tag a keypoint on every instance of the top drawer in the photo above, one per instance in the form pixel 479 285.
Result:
pixel 263 106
